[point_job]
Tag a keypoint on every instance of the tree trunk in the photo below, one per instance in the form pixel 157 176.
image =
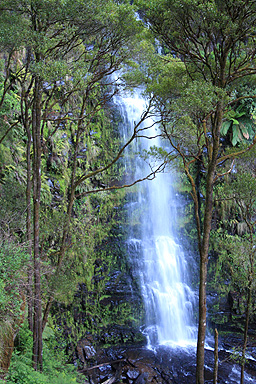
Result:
pixel 26 120
pixel 203 277
pixel 28 211
pixel 215 372
pixel 248 304
pixel 36 125
pixel 213 150
pixel 202 320
pixel 29 238
pixel 6 348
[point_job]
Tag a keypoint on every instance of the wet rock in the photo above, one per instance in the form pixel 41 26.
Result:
pixel 114 353
pixel 89 351
pixel 105 372
pixel 85 350
pixel 145 367
pixel 121 335
pixel 133 373
pixel 162 366
pixel 131 364
pixel 142 379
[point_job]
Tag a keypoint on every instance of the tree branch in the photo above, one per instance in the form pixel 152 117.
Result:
pixel 8 130
pixel 235 154
pixel 150 176
pixel 225 173
pixel 118 156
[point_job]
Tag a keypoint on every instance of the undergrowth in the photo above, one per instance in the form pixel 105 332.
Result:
pixel 55 369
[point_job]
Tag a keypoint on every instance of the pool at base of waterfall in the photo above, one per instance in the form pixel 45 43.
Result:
pixel 152 335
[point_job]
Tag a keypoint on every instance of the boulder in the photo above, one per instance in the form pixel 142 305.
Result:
pixel 85 350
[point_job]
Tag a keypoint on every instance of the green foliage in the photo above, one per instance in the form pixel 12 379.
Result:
pixel 240 124
pixel 244 190
pixel 94 307
pixel 12 207
pixel 236 199
pixel 13 28
pixel 169 18
pixel 11 146
pixel 56 371
pixel 13 262
pixel 93 218
pixel 10 108
pixel 236 355
pixel 232 262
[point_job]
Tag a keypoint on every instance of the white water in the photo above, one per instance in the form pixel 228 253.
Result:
pixel 160 260
pixel 157 253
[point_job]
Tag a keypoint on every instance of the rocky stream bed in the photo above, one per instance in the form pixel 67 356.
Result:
pixel 133 364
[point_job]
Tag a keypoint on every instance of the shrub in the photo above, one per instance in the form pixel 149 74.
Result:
pixel 56 371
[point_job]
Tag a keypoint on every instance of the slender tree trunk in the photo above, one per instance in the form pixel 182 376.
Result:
pixel 26 124
pixel 202 320
pixel 246 327
pixel 36 125
pixel 215 372
pixel 204 246
pixel 203 277
pixel 26 119
pixel 29 236
pixel 197 185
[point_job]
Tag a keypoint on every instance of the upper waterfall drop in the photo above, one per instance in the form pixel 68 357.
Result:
pixel 160 261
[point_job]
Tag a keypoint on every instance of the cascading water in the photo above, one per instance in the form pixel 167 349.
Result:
pixel 159 260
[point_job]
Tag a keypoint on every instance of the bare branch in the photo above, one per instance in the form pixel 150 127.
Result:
pixel 118 156
pixel 225 173
pixel 150 176
pixel 8 130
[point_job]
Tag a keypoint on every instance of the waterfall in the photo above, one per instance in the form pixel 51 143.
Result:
pixel 158 257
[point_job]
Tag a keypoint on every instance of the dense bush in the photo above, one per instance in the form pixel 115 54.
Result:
pixel 56 371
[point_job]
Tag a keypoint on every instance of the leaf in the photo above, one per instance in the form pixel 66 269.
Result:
pixel 48 333
pixel 240 114
pixel 246 135
pixel 247 128
pixel 251 131
pixel 235 121
pixel 225 127
pixel 236 132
